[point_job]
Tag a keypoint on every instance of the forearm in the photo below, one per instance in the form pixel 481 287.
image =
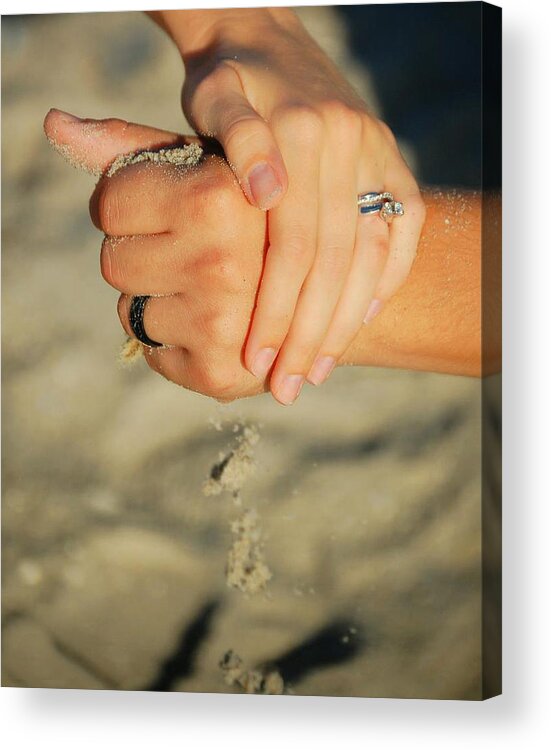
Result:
pixel 435 321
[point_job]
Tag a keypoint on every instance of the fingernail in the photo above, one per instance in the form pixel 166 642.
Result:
pixel 373 310
pixel 290 388
pixel 262 362
pixel 321 369
pixel 264 185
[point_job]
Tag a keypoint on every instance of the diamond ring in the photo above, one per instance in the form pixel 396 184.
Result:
pixel 381 203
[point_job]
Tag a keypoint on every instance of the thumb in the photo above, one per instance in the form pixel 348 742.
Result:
pixel 94 144
pixel 216 106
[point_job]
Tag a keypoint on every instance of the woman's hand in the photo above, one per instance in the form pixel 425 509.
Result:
pixel 302 144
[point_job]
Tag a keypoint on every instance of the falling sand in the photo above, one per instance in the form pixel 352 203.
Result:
pixel 235 466
pixel 245 568
pixel 131 351
pixel 250 680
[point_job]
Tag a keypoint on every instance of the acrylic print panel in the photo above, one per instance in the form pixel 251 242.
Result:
pixel 155 539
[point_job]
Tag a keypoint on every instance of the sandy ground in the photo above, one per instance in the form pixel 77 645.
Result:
pixel 367 490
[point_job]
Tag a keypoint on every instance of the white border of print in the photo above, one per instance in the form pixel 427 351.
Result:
pixel 78 719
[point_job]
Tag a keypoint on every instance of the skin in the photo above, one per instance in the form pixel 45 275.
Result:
pixel 303 145
pixel 191 239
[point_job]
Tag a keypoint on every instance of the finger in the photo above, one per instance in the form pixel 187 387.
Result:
pixel 293 235
pixel 201 374
pixel 191 321
pixel 142 264
pixel 370 255
pixel 94 144
pixel 405 232
pixel 178 366
pixel 166 264
pixel 173 364
pixel 322 289
pixel 220 108
pixel 214 369
pixel 138 200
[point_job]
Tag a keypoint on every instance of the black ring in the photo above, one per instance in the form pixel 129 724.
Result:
pixel 135 316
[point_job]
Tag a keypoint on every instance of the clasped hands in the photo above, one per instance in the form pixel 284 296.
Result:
pixel 191 240
pixel 260 269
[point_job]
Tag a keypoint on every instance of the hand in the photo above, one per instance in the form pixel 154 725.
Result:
pixel 302 144
pixel 187 237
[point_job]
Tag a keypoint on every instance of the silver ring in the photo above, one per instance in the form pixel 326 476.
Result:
pixel 135 318
pixel 374 198
pixel 381 203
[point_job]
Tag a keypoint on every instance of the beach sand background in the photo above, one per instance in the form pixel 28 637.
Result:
pixel 367 490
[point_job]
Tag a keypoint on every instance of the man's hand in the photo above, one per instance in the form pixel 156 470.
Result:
pixel 188 237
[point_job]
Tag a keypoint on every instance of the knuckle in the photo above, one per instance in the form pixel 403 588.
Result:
pixel 219 78
pixel 216 267
pixel 297 248
pixel 220 381
pixel 226 274
pixel 110 209
pixel 205 88
pixel 222 329
pixel 116 127
pixel 219 330
pixel 239 132
pixel 378 247
pixel 110 265
pixel 213 194
pixel 200 88
pixel 346 119
pixel 386 132
pixel 305 121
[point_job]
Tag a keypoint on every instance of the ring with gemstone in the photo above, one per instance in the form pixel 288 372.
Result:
pixel 381 203
pixel 135 318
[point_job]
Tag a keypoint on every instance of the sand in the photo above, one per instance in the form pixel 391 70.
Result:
pixel 180 156
pixel 250 680
pixel 246 569
pixel 131 352
pixel 235 465
pixel 69 155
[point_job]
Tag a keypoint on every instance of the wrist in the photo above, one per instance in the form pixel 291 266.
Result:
pixel 196 31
